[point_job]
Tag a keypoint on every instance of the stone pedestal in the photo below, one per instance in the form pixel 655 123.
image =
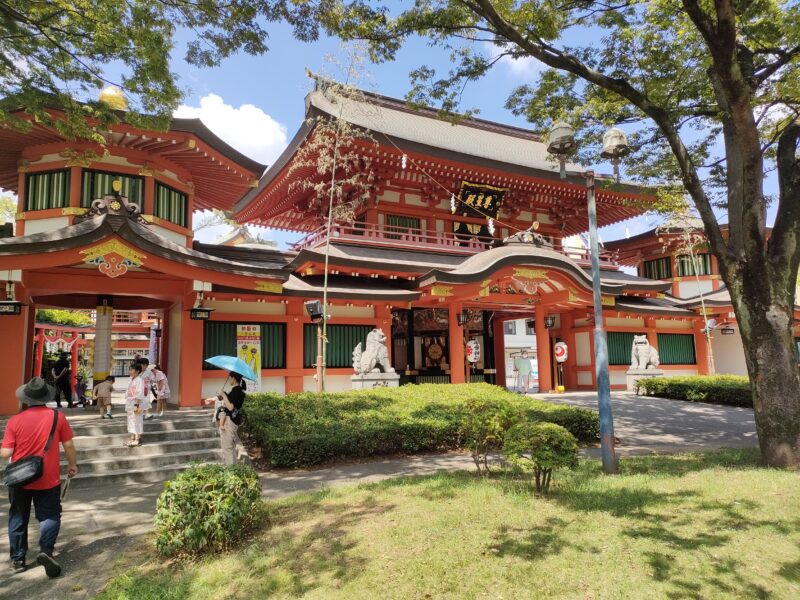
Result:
pixel 370 381
pixel 634 375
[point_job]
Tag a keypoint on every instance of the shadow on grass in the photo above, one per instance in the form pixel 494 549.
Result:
pixel 279 559
pixel 533 543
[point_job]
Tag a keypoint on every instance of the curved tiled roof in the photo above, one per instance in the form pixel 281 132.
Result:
pixel 479 266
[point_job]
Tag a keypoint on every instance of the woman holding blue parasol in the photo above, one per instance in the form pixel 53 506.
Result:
pixel 228 405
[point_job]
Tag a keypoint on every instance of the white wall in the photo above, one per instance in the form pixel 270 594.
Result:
pixel 520 339
pixel 333 383
pixel 173 236
pixel 40 225
pixel 212 386
pixel 583 352
pixel 728 353
pixel 690 288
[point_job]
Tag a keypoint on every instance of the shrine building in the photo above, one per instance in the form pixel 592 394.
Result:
pixel 455 229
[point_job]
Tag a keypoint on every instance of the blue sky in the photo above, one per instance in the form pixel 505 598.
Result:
pixel 256 102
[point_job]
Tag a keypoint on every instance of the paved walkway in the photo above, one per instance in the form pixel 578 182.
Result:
pixel 99 524
pixel 645 424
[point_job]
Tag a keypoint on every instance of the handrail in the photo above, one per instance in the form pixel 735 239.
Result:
pixel 370 234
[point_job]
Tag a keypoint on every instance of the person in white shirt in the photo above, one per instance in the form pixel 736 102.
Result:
pixel 135 399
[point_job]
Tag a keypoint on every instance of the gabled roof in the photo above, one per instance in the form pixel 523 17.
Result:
pixel 101 227
pixel 398 128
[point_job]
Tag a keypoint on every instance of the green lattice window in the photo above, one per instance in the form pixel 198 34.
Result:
pixel 661 268
pixel 401 224
pixel 685 268
pixel 619 347
pixel 97 184
pixel 219 337
pixel 170 205
pixel 47 190
pixel 342 339
pixel 676 349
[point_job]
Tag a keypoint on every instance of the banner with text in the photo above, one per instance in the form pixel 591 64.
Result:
pixel 479 201
pixel 248 348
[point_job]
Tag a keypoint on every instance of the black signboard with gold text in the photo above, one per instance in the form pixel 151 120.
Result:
pixel 477 201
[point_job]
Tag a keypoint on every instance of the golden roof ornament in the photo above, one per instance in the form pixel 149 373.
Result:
pixel 113 97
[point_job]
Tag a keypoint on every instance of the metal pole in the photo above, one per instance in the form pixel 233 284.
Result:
pixel 600 343
pixel 320 359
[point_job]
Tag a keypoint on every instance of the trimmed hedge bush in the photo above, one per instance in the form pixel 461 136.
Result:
pixel 299 430
pixel 730 390
pixel 206 508
pixel 541 448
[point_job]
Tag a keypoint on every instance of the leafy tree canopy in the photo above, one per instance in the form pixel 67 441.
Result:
pixel 73 318
pixel 55 53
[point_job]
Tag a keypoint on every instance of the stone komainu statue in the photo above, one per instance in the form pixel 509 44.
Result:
pixel 643 355
pixel 375 357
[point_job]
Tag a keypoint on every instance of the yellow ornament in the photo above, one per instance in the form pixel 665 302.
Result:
pixel 113 97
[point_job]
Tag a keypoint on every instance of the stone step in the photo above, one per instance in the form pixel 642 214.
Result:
pixel 119 424
pixel 148 437
pixel 123 476
pixel 148 448
pixel 153 462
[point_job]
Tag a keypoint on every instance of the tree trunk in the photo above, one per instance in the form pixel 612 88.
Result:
pixel 765 316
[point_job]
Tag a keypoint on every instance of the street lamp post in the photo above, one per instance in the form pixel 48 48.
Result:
pixel 561 144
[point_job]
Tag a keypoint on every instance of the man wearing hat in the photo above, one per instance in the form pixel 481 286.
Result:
pixel 26 435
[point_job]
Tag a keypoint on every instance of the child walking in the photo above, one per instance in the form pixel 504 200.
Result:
pixel 135 402
pixel 102 393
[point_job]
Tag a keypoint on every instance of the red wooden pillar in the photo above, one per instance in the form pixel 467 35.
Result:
pixel 499 337
pixel 571 364
pixel 13 329
pixel 543 353
pixel 456 343
pixel 39 356
pixel 191 358
pixel 294 346
pixel 74 362
pixel 701 348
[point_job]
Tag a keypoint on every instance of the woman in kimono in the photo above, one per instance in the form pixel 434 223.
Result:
pixel 135 403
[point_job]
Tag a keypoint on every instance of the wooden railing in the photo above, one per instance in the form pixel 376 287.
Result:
pixel 369 234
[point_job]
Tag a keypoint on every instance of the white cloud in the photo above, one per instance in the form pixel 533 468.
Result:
pixel 247 128
pixel 520 68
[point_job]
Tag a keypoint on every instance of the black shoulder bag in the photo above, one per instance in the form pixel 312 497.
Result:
pixel 29 468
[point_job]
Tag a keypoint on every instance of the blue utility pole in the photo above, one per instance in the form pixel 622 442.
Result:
pixel 600 343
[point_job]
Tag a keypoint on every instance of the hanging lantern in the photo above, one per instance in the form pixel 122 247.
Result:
pixel 561 143
pixel 615 146
pixel 490 226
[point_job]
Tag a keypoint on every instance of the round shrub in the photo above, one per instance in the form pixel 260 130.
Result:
pixel 542 448
pixel 206 508
pixel 484 425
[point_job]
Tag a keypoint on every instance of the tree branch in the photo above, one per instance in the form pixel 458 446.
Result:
pixel 556 59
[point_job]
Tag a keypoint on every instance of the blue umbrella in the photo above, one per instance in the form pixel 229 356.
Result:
pixel 234 364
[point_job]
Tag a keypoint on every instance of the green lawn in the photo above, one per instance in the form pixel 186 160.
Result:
pixel 693 526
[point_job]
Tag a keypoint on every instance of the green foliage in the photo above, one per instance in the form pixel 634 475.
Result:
pixel 73 318
pixel 299 430
pixel 730 390
pixel 484 425
pixel 60 51
pixel 541 448
pixel 206 508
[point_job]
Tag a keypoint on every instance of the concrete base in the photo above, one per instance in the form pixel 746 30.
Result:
pixel 369 381
pixel 632 376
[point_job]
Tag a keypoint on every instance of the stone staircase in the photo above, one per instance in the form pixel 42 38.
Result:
pixel 169 445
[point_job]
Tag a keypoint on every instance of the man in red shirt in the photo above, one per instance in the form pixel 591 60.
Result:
pixel 26 435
